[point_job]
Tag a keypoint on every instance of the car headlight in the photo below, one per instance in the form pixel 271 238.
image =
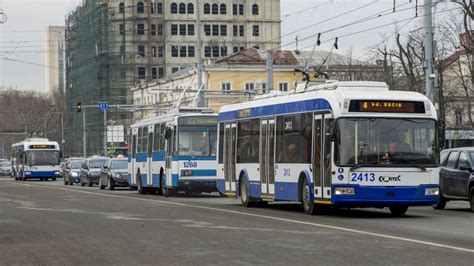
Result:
pixel 186 172
pixel 432 191
pixel 74 174
pixel 344 191
pixel 115 175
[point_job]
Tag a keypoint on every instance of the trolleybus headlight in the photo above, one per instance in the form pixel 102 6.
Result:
pixel 433 191
pixel 27 173
pixel 186 172
pixel 56 173
pixel 344 191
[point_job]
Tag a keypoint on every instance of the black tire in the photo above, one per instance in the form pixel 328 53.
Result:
pixel 71 182
pixel 471 199
pixel 245 198
pixel 53 179
pixel 110 183
pixel 159 191
pixel 141 189
pixel 441 204
pixel 308 204
pixel 89 183
pixel 82 184
pixel 398 211
pixel 166 192
pixel 66 182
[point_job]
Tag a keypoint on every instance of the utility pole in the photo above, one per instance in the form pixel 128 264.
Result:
pixel 105 132
pixel 269 71
pixel 199 54
pixel 84 144
pixel 428 25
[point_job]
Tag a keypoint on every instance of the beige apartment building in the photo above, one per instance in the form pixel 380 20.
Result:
pixel 54 58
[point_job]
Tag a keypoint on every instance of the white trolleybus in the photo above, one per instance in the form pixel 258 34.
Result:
pixel 346 144
pixel 35 158
pixel 174 152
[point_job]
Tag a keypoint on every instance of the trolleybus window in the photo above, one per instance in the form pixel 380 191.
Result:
pixel 294 138
pixel 156 143
pixel 139 140
pixel 381 141
pixel 248 141
pixel 221 142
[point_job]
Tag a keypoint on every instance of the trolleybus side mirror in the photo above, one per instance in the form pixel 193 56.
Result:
pixel 333 131
pixel 168 133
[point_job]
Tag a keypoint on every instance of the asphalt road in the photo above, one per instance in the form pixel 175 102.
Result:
pixel 49 223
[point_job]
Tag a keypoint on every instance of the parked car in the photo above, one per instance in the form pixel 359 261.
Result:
pixel 456 178
pixel 5 168
pixel 72 172
pixel 90 170
pixel 114 174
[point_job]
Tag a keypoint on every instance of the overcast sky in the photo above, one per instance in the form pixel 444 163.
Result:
pixel 22 37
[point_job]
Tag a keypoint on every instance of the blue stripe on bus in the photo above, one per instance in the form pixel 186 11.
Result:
pixel 175 180
pixel 277 109
pixel 204 172
pixel 156 180
pixel 286 191
pixel 195 158
pixel 141 157
pixel 158 156
pixel 40 173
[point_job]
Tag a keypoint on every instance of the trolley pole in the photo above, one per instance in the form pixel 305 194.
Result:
pixel 428 25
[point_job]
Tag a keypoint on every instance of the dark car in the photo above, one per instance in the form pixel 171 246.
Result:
pixel 114 174
pixel 90 171
pixel 72 172
pixel 456 178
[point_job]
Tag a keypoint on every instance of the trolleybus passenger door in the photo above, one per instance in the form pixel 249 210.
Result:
pixel 267 157
pixel 230 140
pixel 322 157
pixel 134 156
pixel 169 135
pixel 149 158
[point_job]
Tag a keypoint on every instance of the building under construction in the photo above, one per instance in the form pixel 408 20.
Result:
pixel 114 45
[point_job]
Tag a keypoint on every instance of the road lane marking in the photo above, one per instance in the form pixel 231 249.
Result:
pixel 337 228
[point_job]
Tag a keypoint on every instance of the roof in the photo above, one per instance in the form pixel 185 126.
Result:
pixel 452 58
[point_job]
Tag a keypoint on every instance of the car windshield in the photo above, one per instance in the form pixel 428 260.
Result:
pixel 383 141
pixel 42 157
pixel 5 164
pixel 76 165
pixel 120 164
pixel 97 163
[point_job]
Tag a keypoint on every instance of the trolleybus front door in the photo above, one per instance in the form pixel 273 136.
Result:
pixel 230 137
pixel 149 159
pixel 267 157
pixel 322 158
pixel 132 170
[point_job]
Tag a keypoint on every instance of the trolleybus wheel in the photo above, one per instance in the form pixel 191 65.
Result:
pixel 308 204
pixel 164 191
pixel 245 194
pixel 440 204
pixel 141 189
pixel 398 210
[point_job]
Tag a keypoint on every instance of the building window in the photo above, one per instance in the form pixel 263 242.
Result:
pixel 255 30
pixel 154 73
pixel 283 86
pixel 458 114
pixel 226 87
pixel 207 9
pixel 140 7
pixel 174 8
pixel 190 8
pixel 236 49
pixel 141 50
pixel 215 51
pixel 174 69
pixel 191 29
pixel 153 29
pixel 182 29
pixel 159 8
pixel 241 30
pixel 182 8
pixel 159 30
pixel 174 51
pixel 182 51
pixel 121 8
pixel 191 51
pixel 223 30
pixel 122 29
pixel 215 9
pixel 153 8
pixel 264 87
pixel 174 29
pixel 249 86
pixel 207 30
pixel 223 10
pixel 235 30
pixel 215 30
pixel 235 9
pixel 255 9
pixel 153 51
pixel 207 51
pixel 141 73
pixel 141 29
pixel 241 9
pixel 223 50
pixel 160 51
pixel 161 72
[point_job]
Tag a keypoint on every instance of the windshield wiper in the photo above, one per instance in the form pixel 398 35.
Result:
pixel 412 163
pixel 357 166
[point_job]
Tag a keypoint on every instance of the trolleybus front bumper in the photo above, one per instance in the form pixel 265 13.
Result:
pixel 201 185
pixel 381 196
pixel 41 174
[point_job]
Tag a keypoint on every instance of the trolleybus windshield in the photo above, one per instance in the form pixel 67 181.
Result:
pixel 42 157
pixel 388 142
pixel 197 136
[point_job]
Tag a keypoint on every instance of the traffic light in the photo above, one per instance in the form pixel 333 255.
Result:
pixel 78 107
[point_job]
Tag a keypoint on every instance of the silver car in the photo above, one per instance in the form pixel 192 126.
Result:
pixel 72 172
pixel 5 168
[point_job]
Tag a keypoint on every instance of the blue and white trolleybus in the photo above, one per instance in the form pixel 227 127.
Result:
pixel 347 144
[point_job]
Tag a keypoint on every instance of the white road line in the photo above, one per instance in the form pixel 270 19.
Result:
pixel 338 228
